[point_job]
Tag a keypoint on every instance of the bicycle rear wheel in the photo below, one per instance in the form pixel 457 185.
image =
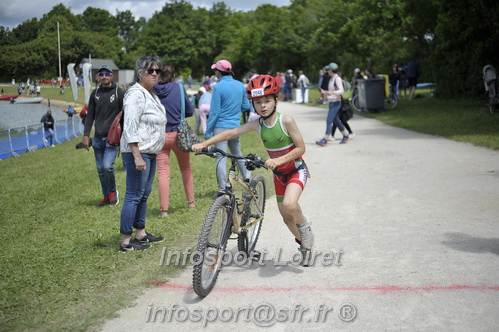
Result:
pixel 211 246
pixel 254 209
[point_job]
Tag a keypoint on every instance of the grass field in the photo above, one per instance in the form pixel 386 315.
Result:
pixel 61 269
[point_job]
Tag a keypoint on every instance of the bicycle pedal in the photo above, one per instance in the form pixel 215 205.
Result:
pixel 255 255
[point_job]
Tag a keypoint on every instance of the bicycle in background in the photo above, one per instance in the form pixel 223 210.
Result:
pixel 390 102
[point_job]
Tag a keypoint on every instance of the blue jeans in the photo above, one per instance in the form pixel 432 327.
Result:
pixel 138 188
pixel 289 92
pixel 235 148
pixel 333 116
pixel 105 155
pixel 394 89
pixel 49 136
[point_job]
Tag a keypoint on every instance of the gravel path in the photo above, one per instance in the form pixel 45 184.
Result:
pixel 407 222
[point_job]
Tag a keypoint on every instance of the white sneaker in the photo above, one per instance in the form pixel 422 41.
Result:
pixel 352 135
pixel 307 242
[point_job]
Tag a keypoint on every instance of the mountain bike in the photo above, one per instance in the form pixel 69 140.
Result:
pixel 233 212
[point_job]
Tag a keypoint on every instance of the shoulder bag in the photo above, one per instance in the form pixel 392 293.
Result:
pixel 116 129
pixel 346 111
pixel 186 136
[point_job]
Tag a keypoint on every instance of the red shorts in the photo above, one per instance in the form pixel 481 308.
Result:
pixel 281 182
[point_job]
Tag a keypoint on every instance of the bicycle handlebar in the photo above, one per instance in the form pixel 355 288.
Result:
pixel 251 158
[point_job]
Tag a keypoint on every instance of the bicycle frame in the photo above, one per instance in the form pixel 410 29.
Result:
pixel 236 212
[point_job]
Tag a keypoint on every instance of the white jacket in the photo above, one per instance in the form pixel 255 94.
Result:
pixel 144 120
pixel 334 91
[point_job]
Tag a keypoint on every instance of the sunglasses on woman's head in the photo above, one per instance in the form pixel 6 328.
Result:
pixel 158 71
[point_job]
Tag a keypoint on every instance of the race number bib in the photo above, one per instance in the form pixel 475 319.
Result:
pixel 256 93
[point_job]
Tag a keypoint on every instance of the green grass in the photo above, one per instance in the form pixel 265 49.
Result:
pixel 463 120
pixel 61 269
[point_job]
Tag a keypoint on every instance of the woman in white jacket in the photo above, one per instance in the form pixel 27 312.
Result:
pixel 142 139
pixel 333 93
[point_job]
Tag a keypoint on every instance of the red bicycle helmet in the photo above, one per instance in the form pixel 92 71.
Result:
pixel 262 85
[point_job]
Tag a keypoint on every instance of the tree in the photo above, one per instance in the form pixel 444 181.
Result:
pixel 466 39
pixel 128 29
pixel 100 21
pixel 176 34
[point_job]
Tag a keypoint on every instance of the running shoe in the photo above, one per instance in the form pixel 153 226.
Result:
pixel 322 142
pixel 105 201
pixel 151 238
pixel 351 135
pixel 134 245
pixel 306 243
pixel 345 140
pixel 113 197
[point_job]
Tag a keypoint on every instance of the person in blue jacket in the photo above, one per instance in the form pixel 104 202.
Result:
pixel 228 100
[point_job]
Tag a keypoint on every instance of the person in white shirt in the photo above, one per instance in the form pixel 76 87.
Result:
pixel 142 139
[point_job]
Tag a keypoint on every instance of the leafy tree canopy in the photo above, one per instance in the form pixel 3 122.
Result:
pixel 452 39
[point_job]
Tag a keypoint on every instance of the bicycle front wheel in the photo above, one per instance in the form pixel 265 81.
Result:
pixel 254 209
pixel 355 103
pixel 391 101
pixel 211 246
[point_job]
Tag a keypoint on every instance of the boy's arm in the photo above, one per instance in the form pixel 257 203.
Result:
pixel 293 131
pixel 227 135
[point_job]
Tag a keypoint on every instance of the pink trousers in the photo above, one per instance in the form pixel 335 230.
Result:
pixel 163 165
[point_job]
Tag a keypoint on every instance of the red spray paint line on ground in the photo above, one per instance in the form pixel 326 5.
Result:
pixel 357 288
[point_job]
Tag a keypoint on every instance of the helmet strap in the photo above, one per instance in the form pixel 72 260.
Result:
pixel 268 116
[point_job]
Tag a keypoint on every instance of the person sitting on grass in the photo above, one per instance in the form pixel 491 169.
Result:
pixel 285 146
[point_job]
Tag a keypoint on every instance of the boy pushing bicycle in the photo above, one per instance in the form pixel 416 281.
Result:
pixel 285 146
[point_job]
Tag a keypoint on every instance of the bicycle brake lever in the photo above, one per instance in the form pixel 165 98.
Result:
pixel 261 162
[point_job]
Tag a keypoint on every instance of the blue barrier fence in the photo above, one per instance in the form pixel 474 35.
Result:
pixel 14 141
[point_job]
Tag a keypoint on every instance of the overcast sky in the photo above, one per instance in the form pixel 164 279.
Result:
pixel 15 12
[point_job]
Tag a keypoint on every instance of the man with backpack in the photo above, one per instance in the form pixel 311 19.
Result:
pixel 104 104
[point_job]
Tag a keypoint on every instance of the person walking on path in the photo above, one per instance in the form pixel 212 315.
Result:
pixel 288 85
pixel 227 102
pixel 103 106
pixel 334 92
pixel 48 127
pixel 394 80
pixel 170 95
pixel 324 86
pixel 285 146
pixel 355 81
pixel 303 82
pixel 413 72
pixel 143 138
pixel 204 106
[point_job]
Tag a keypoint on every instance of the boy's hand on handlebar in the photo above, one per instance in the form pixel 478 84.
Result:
pixel 198 147
pixel 272 164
